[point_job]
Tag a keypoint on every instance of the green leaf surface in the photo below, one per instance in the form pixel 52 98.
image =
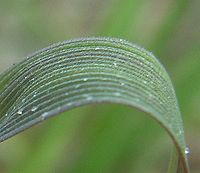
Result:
pixel 85 71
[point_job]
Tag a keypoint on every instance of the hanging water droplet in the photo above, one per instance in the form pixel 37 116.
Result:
pixel 152 82
pixel 6 115
pixel 85 79
pixel 34 94
pixel 151 54
pixel 34 108
pixel 89 98
pixel 115 64
pixel 62 71
pixel 69 104
pixel 169 97
pixel 44 115
pixel 20 111
pixel 32 79
pixel 122 84
pixel 145 82
pixel 187 151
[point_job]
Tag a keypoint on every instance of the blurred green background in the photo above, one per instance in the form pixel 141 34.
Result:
pixel 104 138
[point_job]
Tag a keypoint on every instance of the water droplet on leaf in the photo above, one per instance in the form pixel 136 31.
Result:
pixel 187 150
pixel 69 104
pixel 34 108
pixel 115 64
pixel 19 111
pixel 44 115
pixel 145 82
pixel 122 84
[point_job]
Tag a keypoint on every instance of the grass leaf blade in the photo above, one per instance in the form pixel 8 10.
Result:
pixel 85 71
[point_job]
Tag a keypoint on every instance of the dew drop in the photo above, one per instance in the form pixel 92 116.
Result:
pixel 32 79
pixel 85 79
pixel 89 98
pixel 169 97
pixel 6 115
pixel 151 54
pixel 69 104
pixel 34 108
pixel 122 84
pixel 97 48
pixel 19 112
pixel 115 64
pixel 44 115
pixel 187 151
pixel 34 94
pixel 145 82
pixel 152 82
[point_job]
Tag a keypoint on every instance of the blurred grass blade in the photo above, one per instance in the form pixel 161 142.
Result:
pixel 169 25
pixel 122 16
pixel 84 71
pixel 187 77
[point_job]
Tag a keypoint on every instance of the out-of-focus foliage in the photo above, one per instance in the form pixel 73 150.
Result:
pixel 104 138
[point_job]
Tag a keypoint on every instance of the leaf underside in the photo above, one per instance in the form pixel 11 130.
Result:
pixel 85 71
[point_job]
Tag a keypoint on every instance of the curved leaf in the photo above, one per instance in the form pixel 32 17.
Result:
pixel 84 71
